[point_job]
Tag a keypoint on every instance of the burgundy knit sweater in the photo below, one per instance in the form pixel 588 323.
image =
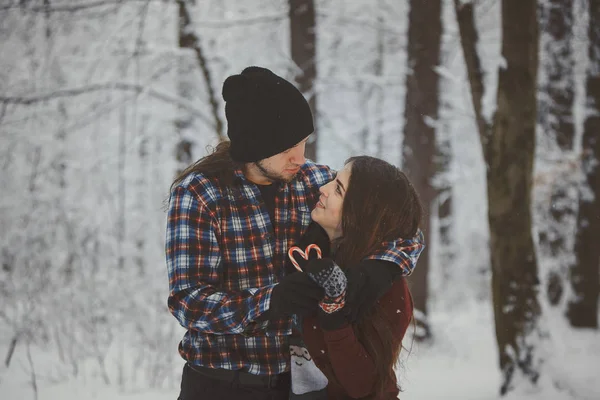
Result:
pixel 353 368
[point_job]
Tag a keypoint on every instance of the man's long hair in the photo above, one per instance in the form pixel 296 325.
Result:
pixel 218 164
pixel 380 205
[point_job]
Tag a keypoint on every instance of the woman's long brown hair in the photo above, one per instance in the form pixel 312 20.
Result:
pixel 380 205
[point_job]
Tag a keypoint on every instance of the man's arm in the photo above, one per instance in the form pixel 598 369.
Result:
pixel 402 252
pixel 195 268
pixel 371 278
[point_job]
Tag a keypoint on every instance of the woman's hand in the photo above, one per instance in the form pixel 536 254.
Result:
pixel 327 274
pixel 301 256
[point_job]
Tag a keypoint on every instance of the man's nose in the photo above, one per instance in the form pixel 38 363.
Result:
pixel 297 155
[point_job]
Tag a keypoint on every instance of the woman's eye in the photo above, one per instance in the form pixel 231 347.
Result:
pixel 337 189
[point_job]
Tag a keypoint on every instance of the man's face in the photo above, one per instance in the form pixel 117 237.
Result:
pixel 282 167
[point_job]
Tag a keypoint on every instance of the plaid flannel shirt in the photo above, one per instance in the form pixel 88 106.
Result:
pixel 224 255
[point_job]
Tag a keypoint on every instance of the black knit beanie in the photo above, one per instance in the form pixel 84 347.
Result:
pixel 265 114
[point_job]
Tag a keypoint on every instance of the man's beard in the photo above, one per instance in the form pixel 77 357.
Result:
pixel 272 176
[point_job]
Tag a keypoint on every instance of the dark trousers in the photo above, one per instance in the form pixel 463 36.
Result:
pixel 195 386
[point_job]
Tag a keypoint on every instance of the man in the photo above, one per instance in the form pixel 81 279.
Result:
pixel 232 216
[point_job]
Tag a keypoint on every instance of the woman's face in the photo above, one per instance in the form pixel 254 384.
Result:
pixel 328 212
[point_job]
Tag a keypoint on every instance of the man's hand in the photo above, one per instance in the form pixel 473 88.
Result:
pixel 297 294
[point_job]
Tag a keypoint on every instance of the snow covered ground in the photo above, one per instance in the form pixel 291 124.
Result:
pixel 459 364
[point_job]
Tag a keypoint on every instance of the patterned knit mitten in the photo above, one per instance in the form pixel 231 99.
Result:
pixel 327 274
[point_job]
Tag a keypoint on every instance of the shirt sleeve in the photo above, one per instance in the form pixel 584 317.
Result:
pixel 402 252
pixel 194 266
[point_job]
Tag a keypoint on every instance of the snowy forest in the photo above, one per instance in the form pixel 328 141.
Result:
pixel 492 107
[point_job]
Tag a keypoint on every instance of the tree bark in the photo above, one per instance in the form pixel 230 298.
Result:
pixel 443 187
pixel 122 189
pixel 378 89
pixel 558 128
pixel 585 275
pixel 190 40
pixel 185 147
pixel 509 147
pixel 557 115
pixel 421 113
pixel 303 49
pixel 469 38
pixel 509 183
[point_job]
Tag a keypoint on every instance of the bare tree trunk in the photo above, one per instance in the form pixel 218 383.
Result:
pixel 443 186
pixel 378 88
pixel 510 169
pixel 185 68
pixel 122 188
pixel 421 114
pixel 558 128
pixel 557 116
pixel 585 275
pixel 469 38
pixel 364 94
pixel 508 148
pixel 34 385
pixel 141 212
pixel 443 180
pixel 60 166
pixel 190 40
pixel 11 350
pixel 304 47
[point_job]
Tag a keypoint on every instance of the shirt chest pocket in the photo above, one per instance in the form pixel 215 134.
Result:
pixel 300 216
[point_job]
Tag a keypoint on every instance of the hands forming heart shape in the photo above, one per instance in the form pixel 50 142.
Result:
pixel 325 273
pixel 305 254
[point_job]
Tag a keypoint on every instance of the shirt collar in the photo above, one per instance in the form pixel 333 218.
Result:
pixel 239 175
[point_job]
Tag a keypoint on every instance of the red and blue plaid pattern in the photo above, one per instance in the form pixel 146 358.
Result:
pixel 224 255
pixel 403 252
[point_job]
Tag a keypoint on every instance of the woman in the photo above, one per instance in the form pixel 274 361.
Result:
pixel 368 203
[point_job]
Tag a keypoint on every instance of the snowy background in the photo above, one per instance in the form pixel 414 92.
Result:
pixel 88 152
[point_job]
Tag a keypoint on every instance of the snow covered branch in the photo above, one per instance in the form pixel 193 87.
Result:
pixel 124 86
